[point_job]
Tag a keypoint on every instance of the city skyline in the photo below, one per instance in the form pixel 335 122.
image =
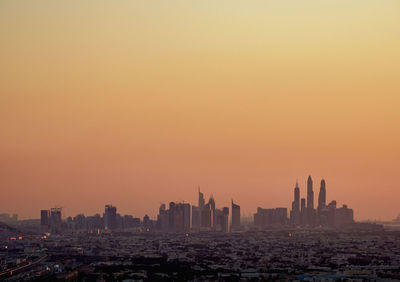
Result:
pixel 303 194
pixel 134 103
pixel 306 203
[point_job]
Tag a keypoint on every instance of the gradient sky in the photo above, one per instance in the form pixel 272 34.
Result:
pixel 135 103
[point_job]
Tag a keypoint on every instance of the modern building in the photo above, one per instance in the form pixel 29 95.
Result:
pixel 322 196
pixel 235 217
pixel 110 217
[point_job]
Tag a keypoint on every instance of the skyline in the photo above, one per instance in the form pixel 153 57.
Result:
pixel 137 103
pixel 308 204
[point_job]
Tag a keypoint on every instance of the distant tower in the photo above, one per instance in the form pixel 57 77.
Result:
pixel 310 194
pixel 110 217
pixel 201 200
pixel 235 216
pixel 322 195
pixel 296 204
pixel 45 217
pixel 295 212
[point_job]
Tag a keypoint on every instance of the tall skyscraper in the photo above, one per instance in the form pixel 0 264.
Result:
pixel 201 200
pixel 322 196
pixel 45 217
pixel 110 217
pixel 297 198
pixel 55 216
pixel 310 194
pixel 295 212
pixel 235 216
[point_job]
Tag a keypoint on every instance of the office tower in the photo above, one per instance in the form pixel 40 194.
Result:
pixel 235 216
pixel 186 217
pixel 44 217
pixel 163 219
pixel 270 217
pixel 295 212
pixel 110 217
pixel 297 197
pixel 322 196
pixel 225 219
pixel 195 217
pixel 310 194
pixel 344 216
pixel 211 202
pixel 207 216
pixel 201 200
pixel 55 216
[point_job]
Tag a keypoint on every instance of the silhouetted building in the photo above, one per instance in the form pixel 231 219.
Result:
pixel 207 216
pixel 55 216
pixel 44 217
pixel 310 194
pixel 295 215
pixel 196 217
pixel 235 216
pixel 221 220
pixel 270 217
pixel 201 200
pixel 322 196
pixel 110 217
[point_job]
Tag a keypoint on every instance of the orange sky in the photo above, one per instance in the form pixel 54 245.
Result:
pixel 137 103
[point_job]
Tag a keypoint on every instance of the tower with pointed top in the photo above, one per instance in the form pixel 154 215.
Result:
pixel 310 194
pixel 322 196
pixel 295 212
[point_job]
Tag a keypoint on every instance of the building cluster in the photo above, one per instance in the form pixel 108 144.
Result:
pixel 181 217
pixel 51 220
pixel 303 212
pixel 328 215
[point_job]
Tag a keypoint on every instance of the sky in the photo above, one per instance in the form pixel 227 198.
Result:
pixel 137 103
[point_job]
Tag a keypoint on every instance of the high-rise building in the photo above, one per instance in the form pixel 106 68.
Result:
pixel 295 216
pixel 44 217
pixel 297 197
pixel 322 196
pixel 310 194
pixel 55 216
pixel 201 200
pixel 186 217
pixel 235 216
pixel 221 220
pixel 110 217
pixel 207 216
pixel 196 217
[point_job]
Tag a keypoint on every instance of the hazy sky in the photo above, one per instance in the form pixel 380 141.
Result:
pixel 134 103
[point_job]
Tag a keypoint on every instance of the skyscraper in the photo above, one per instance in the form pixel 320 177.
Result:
pixel 45 217
pixel 295 212
pixel 235 216
pixel 110 217
pixel 201 200
pixel 322 196
pixel 310 194
pixel 296 205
